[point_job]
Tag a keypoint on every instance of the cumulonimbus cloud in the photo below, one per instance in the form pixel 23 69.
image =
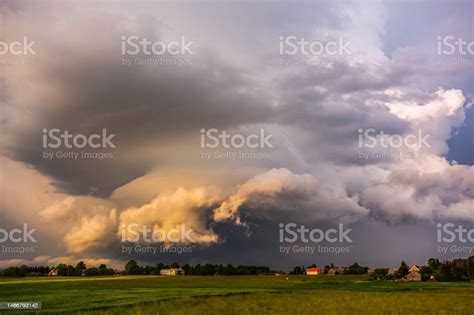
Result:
pixel 280 190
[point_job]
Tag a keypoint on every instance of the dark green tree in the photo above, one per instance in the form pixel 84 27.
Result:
pixel 403 270
pixel 132 268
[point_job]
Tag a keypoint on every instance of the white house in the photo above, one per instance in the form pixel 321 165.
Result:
pixel 172 272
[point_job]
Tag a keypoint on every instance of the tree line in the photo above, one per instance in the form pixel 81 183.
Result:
pixel 62 270
pixel 132 268
pixel 22 271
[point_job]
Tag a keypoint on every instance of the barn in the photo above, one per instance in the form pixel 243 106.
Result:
pixel 313 271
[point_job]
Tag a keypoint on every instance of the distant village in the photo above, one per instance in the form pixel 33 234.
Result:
pixel 434 270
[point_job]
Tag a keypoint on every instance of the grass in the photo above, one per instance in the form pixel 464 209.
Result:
pixel 238 295
pixel 317 301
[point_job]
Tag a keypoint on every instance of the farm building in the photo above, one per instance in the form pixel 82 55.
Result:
pixel 172 272
pixel 53 272
pixel 413 274
pixel 312 271
pixel 336 271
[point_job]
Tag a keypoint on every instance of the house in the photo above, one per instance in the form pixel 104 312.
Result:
pixel 414 274
pixel 172 272
pixel 392 271
pixel 53 272
pixel 336 271
pixel 313 271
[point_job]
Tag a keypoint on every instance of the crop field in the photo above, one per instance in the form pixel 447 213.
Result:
pixel 237 295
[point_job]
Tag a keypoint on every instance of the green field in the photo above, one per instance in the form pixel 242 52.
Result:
pixel 238 295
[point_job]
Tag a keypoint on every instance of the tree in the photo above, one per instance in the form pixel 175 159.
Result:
pixel 62 270
pixel 132 268
pixel 92 272
pixel 104 271
pixel 297 271
pixel 80 268
pixel 426 272
pixel 187 269
pixel 70 271
pixel 356 269
pixel 379 274
pixel 229 270
pixel 208 270
pixel 403 270
pixel 433 263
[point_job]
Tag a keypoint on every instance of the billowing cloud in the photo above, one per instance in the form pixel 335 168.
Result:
pixel 429 189
pixel 183 210
pixel 92 232
pixel 298 196
pixel 83 223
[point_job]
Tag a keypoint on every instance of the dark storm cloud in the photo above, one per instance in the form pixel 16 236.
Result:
pixel 144 107
pixel 370 242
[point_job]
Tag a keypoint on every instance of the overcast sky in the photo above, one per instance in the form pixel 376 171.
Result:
pixel 386 66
